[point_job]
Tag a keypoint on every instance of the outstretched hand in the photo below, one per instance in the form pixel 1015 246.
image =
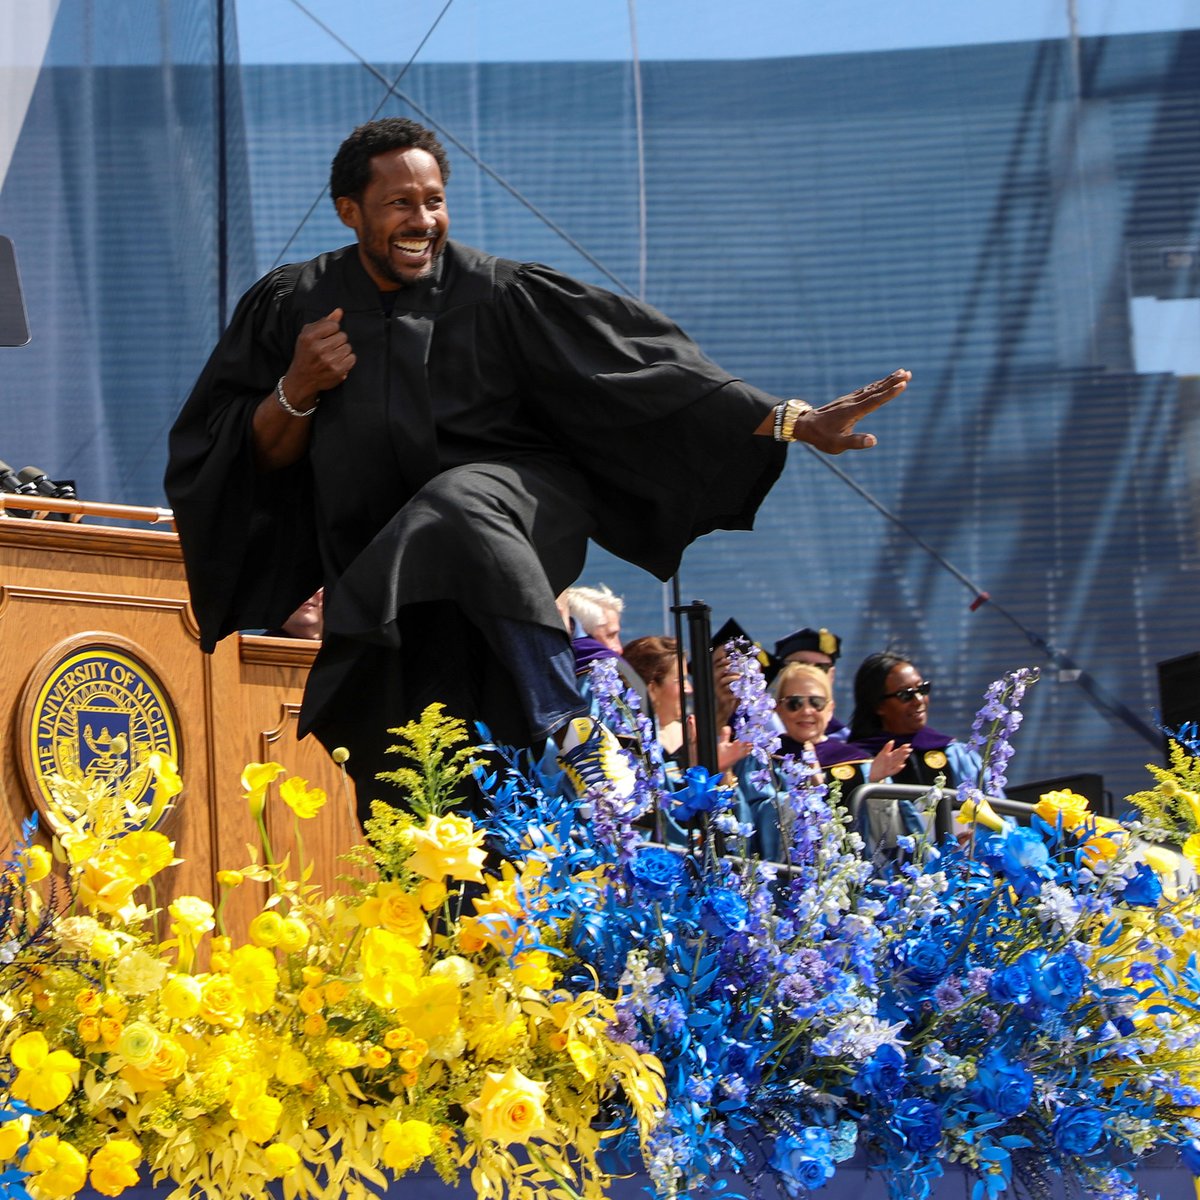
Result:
pixel 890 759
pixel 831 428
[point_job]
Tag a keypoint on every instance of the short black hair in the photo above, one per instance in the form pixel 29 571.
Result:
pixel 350 171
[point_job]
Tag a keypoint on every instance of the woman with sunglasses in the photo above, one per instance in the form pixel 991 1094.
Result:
pixel 891 704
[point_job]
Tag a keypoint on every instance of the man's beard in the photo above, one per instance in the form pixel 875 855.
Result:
pixel 383 265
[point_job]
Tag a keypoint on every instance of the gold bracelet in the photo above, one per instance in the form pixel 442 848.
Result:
pixel 793 410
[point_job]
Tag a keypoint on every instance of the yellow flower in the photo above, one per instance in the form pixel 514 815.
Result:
pixel 447 846
pixel 428 1005
pixel 105 885
pixel 114 1166
pixel 180 997
pixel 396 911
pixel 144 853
pixel 533 970
pixel 110 1030
pixel 280 1159
pixel 230 879
pixel 510 1107
pixel 192 916
pixel 257 1116
pixel 1191 849
pixel 310 1000
pixel 56 1167
pixel 253 972
pixel 345 1054
pixel 584 1058
pixel 336 990
pixel 139 1043
pixel 406 1142
pixel 981 813
pixel 377 1058
pixel 312 975
pixel 1070 806
pixel 431 894
pixel 293 935
pixel 43 1075
pixel 386 960
pixel 89 1029
pixel 139 973
pixel 35 862
pixel 266 928
pixel 105 945
pixel 87 1000
pixel 304 801
pixel 169 1062
pixel 256 778
pixel 291 1067
pixel 221 1002
pixel 12 1137
pixel 314 1025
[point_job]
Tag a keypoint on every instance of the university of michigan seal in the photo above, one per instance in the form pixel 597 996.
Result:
pixel 97 715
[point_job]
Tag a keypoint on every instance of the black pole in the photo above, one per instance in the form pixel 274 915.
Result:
pixel 704 695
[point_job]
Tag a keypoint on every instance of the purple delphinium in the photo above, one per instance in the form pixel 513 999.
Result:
pixel 995 724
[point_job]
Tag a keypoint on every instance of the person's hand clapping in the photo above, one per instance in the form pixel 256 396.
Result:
pixel 888 761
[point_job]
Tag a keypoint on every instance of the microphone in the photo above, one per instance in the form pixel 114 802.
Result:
pixel 38 482
pixel 10 482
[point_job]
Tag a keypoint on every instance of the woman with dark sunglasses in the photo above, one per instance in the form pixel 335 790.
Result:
pixel 891 705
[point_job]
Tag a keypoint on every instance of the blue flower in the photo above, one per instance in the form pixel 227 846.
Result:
pixel 1021 857
pixel 1190 1153
pixel 724 912
pixel 1010 985
pixel 657 870
pixel 1078 1129
pixel 882 1075
pixel 1002 1086
pixel 804 1163
pixel 701 793
pixel 919 1122
pixel 1055 981
pixel 923 963
pixel 1143 888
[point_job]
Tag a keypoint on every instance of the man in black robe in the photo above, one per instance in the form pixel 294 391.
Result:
pixel 433 434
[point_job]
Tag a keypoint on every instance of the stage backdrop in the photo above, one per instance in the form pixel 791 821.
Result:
pixel 1018 222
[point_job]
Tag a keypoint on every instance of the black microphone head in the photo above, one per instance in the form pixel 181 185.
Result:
pixel 41 483
pixel 10 482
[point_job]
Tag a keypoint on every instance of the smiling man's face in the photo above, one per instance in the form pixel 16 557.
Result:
pixel 400 219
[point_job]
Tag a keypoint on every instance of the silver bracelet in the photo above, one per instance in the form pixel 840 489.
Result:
pixel 287 408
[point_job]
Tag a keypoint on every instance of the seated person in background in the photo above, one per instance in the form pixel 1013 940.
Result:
pixel 597 611
pixel 821 649
pixel 655 659
pixel 891 704
pixel 804 704
pixel 306 623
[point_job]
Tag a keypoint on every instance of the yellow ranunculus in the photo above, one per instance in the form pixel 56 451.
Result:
pixel 293 935
pixel 280 1159
pixel 139 1043
pixel 265 929
pixel 447 847
pixel 253 972
pixel 180 997
pixel 144 853
pixel 114 1166
pixel 221 1002
pixel 192 916
pixel 304 801
pixel 510 1107
pixel 35 862
pixel 291 1067
pixel 13 1136
pixel 56 1167
pixel 256 778
pixel 405 1143
pixel 44 1076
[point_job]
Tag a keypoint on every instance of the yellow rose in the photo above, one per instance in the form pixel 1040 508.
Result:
pixel 44 1076
pixel 280 1159
pixel 256 778
pixel 35 862
pixel 310 1000
pixel 13 1136
pixel 291 1067
pixel 87 1001
pixel 314 1025
pixel 336 990
pixel 56 1167
pixel 377 1058
pixel 266 928
pixel 401 914
pixel 405 1143
pixel 431 894
pixel 114 1166
pixel 304 801
pixel 180 997
pixel 510 1108
pixel 221 1002
pixel 447 846
pixel 89 1029
pixel 1070 806
pixel 169 1062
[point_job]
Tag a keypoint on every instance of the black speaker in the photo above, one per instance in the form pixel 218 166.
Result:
pixel 1179 690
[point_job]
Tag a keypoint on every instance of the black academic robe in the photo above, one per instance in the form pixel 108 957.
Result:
pixel 601 417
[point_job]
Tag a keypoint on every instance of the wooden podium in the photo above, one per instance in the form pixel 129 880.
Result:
pixel 101 661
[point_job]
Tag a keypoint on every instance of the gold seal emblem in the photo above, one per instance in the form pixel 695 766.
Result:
pixel 827 643
pixel 935 759
pixel 843 771
pixel 96 716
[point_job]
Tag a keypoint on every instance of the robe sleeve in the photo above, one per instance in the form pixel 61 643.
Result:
pixel 664 435
pixel 248 538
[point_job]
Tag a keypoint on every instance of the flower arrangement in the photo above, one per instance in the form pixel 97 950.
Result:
pixel 540 1002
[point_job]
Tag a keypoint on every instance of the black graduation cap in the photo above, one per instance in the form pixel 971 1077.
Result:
pixel 731 631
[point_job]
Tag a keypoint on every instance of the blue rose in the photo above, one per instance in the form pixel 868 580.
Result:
pixel 1056 981
pixel 1078 1129
pixel 1002 1086
pixel 882 1075
pixel 923 963
pixel 701 793
pixel 1025 861
pixel 657 870
pixel 1144 888
pixel 724 912
pixel 803 1163
pixel 1010 985
pixel 919 1123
